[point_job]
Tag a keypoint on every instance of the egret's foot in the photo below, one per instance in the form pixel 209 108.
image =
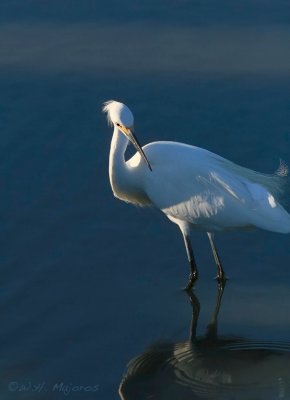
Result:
pixel 221 279
pixel 192 279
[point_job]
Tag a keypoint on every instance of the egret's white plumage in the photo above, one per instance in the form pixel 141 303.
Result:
pixel 195 188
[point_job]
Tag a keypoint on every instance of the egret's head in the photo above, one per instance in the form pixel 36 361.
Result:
pixel 121 117
pixel 119 114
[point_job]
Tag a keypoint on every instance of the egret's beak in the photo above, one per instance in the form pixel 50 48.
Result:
pixel 130 135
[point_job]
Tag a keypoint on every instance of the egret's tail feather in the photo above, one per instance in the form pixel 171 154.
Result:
pixel 282 174
pixel 277 184
pixel 283 169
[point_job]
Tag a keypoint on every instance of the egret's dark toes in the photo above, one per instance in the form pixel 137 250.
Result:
pixel 192 279
pixel 188 287
pixel 221 278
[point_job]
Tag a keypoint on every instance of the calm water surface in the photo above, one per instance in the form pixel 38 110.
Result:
pixel 88 283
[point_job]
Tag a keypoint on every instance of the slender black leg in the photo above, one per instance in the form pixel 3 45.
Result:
pixel 193 269
pixel 221 277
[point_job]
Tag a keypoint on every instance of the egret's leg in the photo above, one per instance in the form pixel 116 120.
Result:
pixel 221 277
pixel 194 273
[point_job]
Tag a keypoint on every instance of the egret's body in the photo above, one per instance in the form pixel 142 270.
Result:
pixel 195 188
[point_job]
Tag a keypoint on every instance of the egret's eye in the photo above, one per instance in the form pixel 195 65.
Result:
pixel 117 124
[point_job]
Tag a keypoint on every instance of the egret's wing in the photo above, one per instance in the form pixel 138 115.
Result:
pixel 197 186
pixel 198 197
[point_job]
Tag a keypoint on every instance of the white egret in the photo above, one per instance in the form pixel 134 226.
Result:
pixel 194 188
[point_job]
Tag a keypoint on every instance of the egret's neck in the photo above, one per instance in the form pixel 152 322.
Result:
pixel 118 170
pixel 117 164
pixel 124 181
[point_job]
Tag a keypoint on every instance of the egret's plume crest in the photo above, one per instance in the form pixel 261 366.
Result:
pixel 106 109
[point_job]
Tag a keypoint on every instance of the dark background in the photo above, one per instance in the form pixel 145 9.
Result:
pixel 88 282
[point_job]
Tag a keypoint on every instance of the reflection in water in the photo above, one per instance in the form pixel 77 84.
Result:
pixel 209 367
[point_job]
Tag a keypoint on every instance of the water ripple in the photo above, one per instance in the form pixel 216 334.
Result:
pixel 221 370
pixel 210 367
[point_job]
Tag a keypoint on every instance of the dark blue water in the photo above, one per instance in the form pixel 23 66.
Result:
pixel 88 282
